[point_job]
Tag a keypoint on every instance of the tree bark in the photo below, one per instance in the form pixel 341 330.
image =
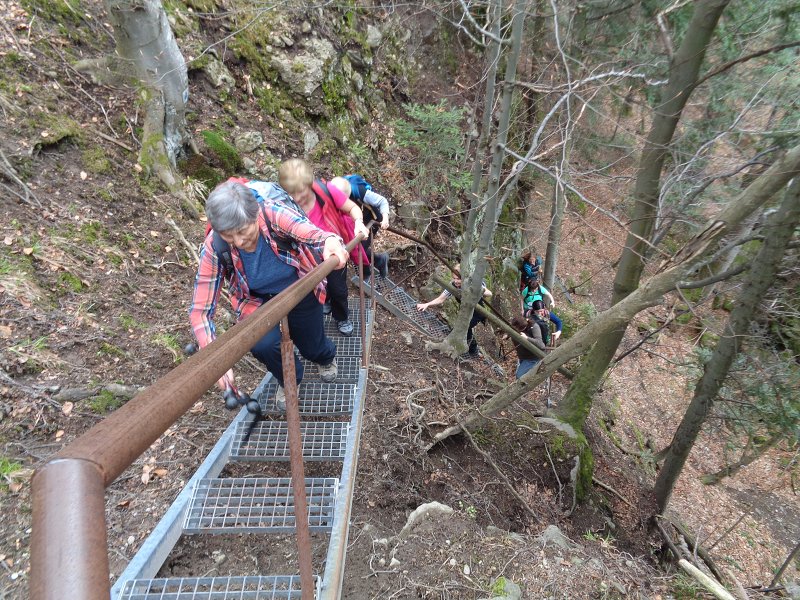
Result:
pixel 670 274
pixel 144 39
pixel 684 69
pixel 760 277
pixel 749 455
pixel 455 342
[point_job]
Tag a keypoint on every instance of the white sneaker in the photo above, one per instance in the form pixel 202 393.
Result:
pixel 329 372
pixel 280 399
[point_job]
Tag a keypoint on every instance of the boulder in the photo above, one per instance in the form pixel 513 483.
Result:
pixel 218 74
pixel 248 141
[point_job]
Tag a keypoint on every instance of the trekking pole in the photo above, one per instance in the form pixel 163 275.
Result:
pixel 551 345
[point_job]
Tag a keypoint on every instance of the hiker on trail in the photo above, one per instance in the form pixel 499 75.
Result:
pixel 269 246
pixel 330 210
pixel 537 292
pixel 376 216
pixel 530 270
pixel 472 343
pixel 533 332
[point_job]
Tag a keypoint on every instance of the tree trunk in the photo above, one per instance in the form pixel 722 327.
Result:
pixel 648 294
pixel 145 40
pixel 760 277
pixel 455 342
pixel 684 69
pixel 750 454
pixel 473 217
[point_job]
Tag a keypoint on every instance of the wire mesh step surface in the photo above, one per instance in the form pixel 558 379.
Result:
pixel 273 587
pixel 348 367
pixel 258 505
pixel 315 398
pixel 269 440
pixel 403 305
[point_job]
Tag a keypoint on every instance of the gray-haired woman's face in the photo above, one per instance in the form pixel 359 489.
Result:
pixel 245 238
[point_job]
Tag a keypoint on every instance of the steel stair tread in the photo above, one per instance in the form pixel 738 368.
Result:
pixel 258 505
pixel 253 587
pixel 269 441
pixel 315 398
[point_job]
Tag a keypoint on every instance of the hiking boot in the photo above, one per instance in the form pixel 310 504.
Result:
pixel 345 327
pixel 329 372
pixel 326 308
pixel 280 399
pixel 382 262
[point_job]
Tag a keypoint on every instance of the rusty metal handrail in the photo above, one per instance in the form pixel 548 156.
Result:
pixel 69 549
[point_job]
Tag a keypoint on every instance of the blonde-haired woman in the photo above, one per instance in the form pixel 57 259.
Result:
pixel 330 210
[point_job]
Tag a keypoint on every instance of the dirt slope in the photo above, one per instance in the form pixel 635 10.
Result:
pixel 94 283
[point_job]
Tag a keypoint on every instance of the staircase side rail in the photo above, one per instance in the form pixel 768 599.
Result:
pixel 69 547
pixel 333 576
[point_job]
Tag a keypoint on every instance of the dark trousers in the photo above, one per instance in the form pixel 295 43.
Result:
pixel 337 294
pixel 472 343
pixel 307 333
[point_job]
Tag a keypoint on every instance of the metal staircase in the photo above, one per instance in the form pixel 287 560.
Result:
pixel 265 505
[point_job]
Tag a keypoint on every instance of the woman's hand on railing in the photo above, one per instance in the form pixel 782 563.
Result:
pixel 334 247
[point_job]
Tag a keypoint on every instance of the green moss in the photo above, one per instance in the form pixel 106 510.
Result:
pixel 227 154
pixel 253 30
pixel 92 232
pixel 111 350
pixel 59 11
pixel 69 282
pixel 104 402
pixel 96 161
pixel 332 95
pixel 197 168
pixel 53 129
pixel 7 468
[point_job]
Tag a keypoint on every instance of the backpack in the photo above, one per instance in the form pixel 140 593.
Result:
pixel 545 329
pixel 530 296
pixel 261 190
pixel 358 191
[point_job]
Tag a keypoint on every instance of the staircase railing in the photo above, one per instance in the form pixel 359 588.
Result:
pixel 69 548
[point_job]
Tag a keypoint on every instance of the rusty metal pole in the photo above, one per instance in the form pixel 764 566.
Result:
pixel 296 463
pixel 362 315
pixel 69 534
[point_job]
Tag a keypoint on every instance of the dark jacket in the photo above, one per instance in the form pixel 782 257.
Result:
pixel 534 335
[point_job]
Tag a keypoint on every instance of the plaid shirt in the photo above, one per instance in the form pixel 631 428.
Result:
pixel 207 283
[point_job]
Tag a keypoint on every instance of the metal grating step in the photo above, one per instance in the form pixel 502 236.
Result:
pixel 401 304
pixel 316 398
pixel 269 440
pixel 347 346
pixel 258 505
pixel 348 366
pixel 214 588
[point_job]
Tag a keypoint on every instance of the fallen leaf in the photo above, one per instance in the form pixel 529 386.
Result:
pixel 45 134
pixel 154 233
pixel 8 240
pixel 5 331
pixel 138 168
pixel 145 477
pixel 123 504
pixel 66 408
pixel 59 434
pixel 27 251
pixel 84 175
pixel 160 472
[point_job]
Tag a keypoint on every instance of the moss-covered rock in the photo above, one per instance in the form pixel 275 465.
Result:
pixel 228 156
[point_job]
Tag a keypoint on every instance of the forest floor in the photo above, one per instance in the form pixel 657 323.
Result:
pixel 94 284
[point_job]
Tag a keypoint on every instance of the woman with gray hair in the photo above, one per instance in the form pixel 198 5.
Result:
pixel 261 245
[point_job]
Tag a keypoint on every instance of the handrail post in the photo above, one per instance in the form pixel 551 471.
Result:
pixel 69 501
pixel 296 463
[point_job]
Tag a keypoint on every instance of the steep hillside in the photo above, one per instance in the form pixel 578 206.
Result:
pixel 96 268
